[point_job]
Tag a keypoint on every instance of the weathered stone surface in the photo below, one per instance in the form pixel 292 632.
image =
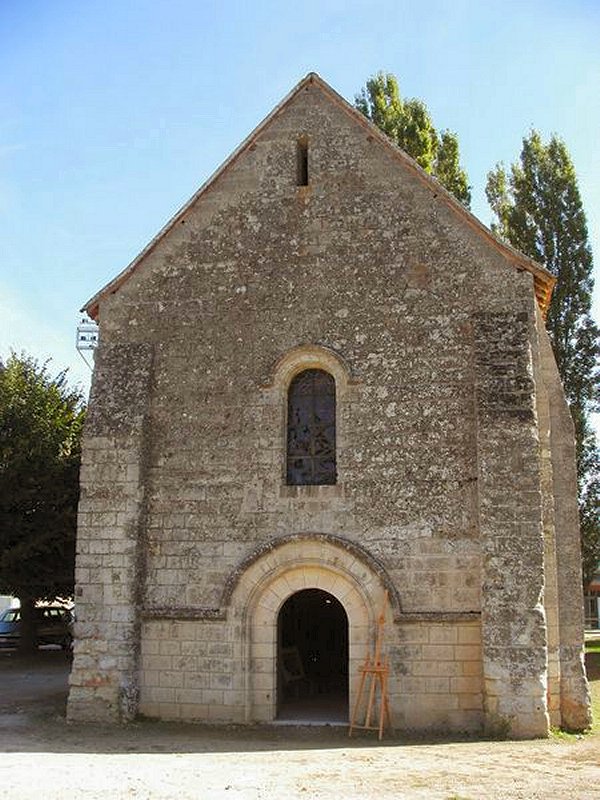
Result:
pixel 563 566
pixel 111 538
pixel 190 540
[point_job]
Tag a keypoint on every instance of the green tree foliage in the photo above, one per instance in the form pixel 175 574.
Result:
pixel 538 209
pixel 409 124
pixel 40 434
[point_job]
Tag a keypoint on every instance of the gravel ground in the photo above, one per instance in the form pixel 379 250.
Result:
pixel 43 757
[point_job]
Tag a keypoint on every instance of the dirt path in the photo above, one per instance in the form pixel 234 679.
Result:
pixel 43 757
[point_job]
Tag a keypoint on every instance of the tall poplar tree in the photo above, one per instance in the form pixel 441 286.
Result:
pixel 538 209
pixel 408 123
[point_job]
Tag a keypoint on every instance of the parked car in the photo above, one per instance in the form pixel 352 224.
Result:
pixel 53 625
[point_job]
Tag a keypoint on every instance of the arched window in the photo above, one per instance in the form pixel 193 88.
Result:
pixel 311 429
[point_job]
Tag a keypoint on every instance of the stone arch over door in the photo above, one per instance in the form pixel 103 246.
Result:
pixel 304 561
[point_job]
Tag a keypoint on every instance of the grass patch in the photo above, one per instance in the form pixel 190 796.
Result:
pixel 592 646
pixel 564 736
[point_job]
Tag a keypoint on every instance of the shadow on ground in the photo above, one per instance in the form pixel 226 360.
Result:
pixel 33 719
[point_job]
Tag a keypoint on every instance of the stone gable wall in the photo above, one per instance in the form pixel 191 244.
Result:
pixel 375 273
pixel 367 273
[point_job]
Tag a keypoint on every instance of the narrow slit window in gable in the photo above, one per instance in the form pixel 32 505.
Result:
pixel 302 162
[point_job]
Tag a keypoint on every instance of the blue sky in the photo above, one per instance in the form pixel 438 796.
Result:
pixel 113 113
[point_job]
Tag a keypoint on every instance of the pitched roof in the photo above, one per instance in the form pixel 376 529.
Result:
pixel 543 280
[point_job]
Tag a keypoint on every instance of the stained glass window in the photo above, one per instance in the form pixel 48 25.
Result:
pixel 311 429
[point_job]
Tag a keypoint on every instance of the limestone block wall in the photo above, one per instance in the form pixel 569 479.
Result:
pixel 551 598
pixel 226 670
pixel 368 270
pixel 191 670
pixel 510 513
pixel 109 568
pixel 437 676
pixel 427 331
pixel 575 706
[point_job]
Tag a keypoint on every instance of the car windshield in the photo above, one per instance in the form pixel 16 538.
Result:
pixel 40 614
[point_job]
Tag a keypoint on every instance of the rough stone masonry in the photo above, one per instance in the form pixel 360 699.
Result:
pixel 320 254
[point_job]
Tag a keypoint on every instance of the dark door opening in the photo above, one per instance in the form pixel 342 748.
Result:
pixel 312 658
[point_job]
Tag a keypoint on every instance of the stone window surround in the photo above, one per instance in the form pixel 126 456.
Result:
pixel 294 361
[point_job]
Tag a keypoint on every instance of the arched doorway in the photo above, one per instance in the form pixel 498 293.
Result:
pixel 312 658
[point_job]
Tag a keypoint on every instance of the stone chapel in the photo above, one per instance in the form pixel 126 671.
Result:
pixel 324 379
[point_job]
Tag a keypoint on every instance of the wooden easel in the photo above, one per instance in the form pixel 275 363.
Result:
pixel 375 673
